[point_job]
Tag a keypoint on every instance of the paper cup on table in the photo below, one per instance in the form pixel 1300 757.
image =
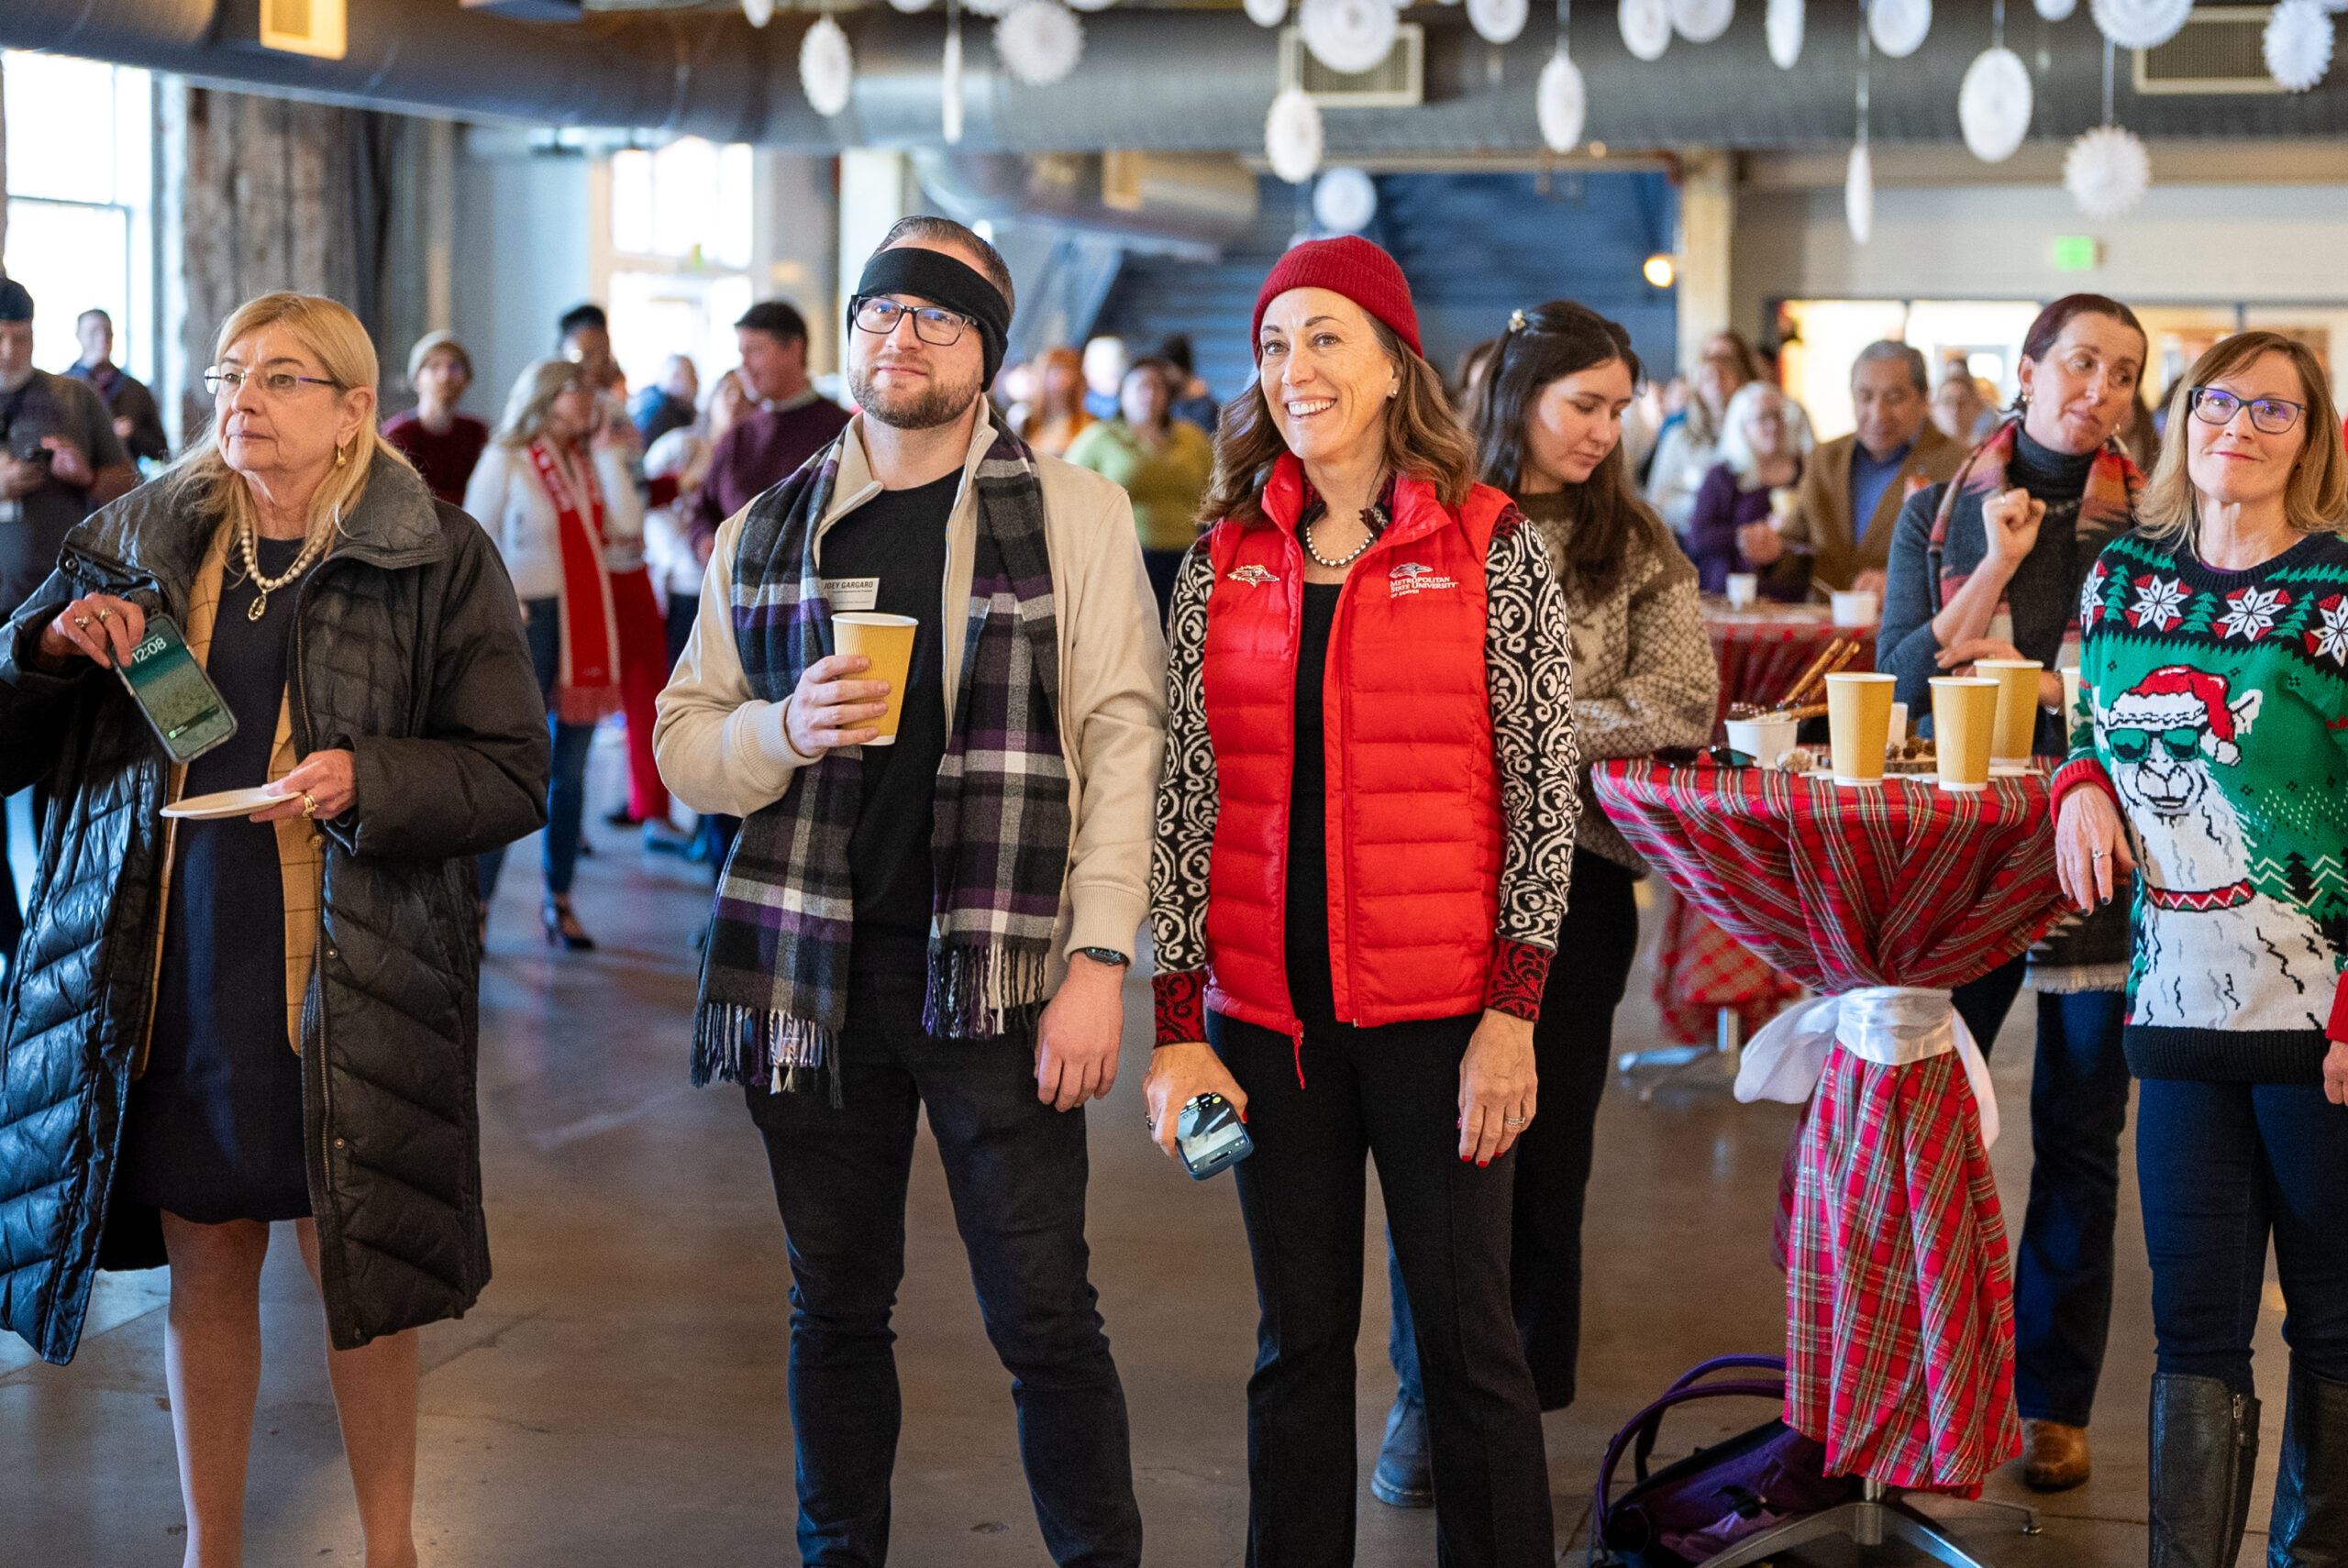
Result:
pixel 888 642
pixel 1965 718
pixel 1766 741
pixel 1856 609
pixel 1858 725
pixel 1743 588
pixel 1898 730
pixel 2017 681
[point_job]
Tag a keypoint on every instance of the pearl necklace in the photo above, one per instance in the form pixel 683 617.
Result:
pixel 1371 522
pixel 311 549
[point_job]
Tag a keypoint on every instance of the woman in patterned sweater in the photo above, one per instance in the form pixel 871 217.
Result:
pixel 1364 834
pixel 2215 765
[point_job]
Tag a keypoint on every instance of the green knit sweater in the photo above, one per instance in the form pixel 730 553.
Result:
pixel 2220 725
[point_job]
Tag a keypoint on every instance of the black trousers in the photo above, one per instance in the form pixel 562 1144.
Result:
pixel 1573 1044
pixel 1315 1110
pixel 1017 1170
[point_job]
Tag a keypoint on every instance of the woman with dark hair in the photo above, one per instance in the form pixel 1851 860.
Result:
pixel 1548 430
pixel 1988 566
pixel 2213 761
pixel 1364 837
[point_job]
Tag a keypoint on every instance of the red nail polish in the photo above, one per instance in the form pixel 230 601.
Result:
pixel 1481 1164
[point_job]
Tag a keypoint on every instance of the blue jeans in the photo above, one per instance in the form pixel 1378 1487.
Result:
pixel 1015 1169
pixel 2220 1167
pixel 567 794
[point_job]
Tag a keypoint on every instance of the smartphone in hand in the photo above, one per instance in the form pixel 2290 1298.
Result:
pixel 1210 1136
pixel 182 706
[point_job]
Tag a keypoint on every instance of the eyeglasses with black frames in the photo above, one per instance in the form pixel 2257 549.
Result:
pixel 934 325
pixel 2215 405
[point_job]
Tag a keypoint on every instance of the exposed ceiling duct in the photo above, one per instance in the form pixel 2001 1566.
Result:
pixel 1165 80
pixel 1182 204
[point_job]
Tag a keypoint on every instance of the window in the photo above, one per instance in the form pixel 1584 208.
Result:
pixel 79 191
pixel 680 252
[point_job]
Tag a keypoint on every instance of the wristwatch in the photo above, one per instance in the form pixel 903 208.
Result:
pixel 1105 956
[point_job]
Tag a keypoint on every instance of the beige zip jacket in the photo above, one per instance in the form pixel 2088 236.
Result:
pixel 721 749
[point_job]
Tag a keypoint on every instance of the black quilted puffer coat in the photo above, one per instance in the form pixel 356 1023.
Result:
pixel 408 651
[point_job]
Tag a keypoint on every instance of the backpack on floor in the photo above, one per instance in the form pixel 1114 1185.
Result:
pixel 1716 1496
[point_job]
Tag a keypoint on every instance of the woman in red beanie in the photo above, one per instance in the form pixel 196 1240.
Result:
pixel 1365 832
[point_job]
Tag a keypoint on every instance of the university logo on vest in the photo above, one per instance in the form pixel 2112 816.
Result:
pixel 1411 578
pixel 1252 574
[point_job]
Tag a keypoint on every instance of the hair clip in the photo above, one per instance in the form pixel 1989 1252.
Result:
pixel 1516 321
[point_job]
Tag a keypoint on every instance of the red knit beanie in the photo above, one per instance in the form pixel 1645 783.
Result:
pixel 1348 265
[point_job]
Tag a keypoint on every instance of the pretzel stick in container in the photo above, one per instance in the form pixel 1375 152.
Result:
pixel 1802 683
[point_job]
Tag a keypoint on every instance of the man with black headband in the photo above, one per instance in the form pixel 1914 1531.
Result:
pixel 940 919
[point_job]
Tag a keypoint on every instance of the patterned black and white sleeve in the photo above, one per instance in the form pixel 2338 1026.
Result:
pixel 1528 657
pixel 1187 803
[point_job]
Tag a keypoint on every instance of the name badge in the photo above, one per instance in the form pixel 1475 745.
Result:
pixel 852 592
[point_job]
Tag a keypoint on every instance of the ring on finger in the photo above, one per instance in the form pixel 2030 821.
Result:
pixel 81 623
pixel 1516 1120
pixel 103 613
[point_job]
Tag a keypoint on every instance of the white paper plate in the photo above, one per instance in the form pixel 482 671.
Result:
pixel 227 803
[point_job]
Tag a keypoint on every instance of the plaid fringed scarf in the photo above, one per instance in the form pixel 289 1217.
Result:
pixel 774 980
pixel 2107 508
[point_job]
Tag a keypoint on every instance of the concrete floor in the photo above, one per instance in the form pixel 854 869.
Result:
pixel 617 1397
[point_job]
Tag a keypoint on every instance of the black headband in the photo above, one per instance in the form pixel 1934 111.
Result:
pixel 938 277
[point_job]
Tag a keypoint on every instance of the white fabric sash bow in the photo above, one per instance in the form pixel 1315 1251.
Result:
pixel 1892 1026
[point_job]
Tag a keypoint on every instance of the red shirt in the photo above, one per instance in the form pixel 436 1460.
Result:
pixel 445 461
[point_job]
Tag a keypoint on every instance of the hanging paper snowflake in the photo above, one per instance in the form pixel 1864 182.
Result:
pixel 1092 4
pixel 1858 194
pixel 827 66
pixel 1039 41
pixel 2107 171
pixel 758 13
pixel 2056 10
pixel 1293 136
pixel 997 8
pixel 1898 26
pixel 1561 102
pixel 1783 26
pixel 2140 24
pixel 1993 106
pixel 1701 21
pixel 1267 13
pixel 910 6
pixel 1497 21
pixel 949 88
pixel 1344 201
pixel 2298 43
pixel 1348 36
pixel 1646 27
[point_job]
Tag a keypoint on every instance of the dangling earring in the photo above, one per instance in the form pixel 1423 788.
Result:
pixel 339 458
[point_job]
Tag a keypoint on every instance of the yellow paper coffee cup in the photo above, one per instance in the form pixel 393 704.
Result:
pixel 2017 681
pixel 1858 725
pixel 1965 718
pixel 888 642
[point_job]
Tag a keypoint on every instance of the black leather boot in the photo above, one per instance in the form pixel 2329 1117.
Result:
pixel 2204 1447
pixel 1405 1475
pixel 2310 1527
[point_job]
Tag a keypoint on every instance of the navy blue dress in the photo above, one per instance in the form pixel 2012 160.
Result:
pixel 213 1131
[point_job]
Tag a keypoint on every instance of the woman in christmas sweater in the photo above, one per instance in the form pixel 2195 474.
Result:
pixel 2216 766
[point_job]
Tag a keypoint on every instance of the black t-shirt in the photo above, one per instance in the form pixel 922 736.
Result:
pixel 899 538
pixel 1306 925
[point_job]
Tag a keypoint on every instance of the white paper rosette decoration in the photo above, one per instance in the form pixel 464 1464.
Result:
pixel 1561 102
pixel 827 66
pixel 2107 171
pixel 1039 41
pixel 1646 27
pixel 1993 106
pixel 1898 26
pixel 1701 21
pixel 758 13
pixel 1783 26
pixel 1267 13
pixel 949 89
pixel 2140 24
pixel 2298 43
pixel 1497 21
pixel 1293 136
pixel 2056 10
pixel 1858 194
pixel 910 6
pixel 1351 36
pixel 1092 4
pixel 1344 201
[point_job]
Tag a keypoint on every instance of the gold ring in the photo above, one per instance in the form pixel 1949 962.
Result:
pixel 309 805
pixel 103 613
pixel 81 623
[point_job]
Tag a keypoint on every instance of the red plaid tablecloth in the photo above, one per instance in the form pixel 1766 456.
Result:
pixel 1900 1319
pixel 1761 651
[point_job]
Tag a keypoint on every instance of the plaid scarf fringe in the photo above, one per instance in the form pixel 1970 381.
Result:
pixel 745 1045
pixel 976 993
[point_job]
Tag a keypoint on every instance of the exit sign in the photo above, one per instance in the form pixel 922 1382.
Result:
pixel 2077 253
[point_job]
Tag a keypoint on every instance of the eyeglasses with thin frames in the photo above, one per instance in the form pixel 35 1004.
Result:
pixel 273 383
pixel 2215 405
pixel 938 327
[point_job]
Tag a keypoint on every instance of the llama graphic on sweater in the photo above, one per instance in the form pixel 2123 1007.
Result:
pixel 2215 953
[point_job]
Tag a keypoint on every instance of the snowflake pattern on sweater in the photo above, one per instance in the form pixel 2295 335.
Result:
pixel 2218 719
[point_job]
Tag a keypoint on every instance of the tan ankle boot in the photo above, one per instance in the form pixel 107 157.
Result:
pixel 2054 1456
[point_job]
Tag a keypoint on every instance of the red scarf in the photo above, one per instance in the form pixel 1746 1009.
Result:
pixel 587 677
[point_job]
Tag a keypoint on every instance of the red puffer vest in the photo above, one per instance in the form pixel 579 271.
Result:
pixel 1413 794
